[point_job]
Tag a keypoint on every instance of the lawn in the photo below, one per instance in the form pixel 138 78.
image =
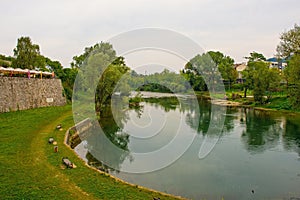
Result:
pixel 31 170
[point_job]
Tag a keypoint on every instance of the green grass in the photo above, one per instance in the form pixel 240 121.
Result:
pixel 31 170
pixel 279 103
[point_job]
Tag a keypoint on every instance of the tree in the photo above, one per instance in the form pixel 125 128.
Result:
pixel 289 47
pixel 248 75
pixel 257 71
pixel 227 70
pixel 261 79
pixel 99 71
pixel 5 61
pixel 54 66
pixel 28 55
pixel 196 80
pixel 290 43
pixel 255 61
pixel 68 76
pixel 294 79
pixel 272 82
pixel 212 67
pixel 254 57
pixel 102 47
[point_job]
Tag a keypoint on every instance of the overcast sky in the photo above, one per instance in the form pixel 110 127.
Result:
pixel 63 28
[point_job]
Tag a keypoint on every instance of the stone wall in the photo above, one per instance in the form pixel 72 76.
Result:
pixel 18 93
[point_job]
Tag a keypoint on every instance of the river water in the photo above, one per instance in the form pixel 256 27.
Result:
pixel 256 155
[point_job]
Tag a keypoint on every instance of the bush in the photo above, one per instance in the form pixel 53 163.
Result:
pixel 237 86
pixel 4 63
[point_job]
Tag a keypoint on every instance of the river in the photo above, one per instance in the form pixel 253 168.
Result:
pixel 256 155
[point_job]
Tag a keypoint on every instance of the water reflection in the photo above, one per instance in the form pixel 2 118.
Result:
pixel 256 150
pixel 262 131
pixel 291 136
pixel 112 124
pixel 201 122
pixel 167 103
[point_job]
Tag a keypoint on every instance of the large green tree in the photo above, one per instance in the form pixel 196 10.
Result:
pixel 99 72
pixel 266 81
pixel 212 67
pixel 28 55
pixel 255 60
pixel 226 68
pixel 289 47
pixel 293 70
pixel 289 42
pixel 193 77
pixel 260 78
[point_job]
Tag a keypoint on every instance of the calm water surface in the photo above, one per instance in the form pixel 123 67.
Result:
pixel 257 155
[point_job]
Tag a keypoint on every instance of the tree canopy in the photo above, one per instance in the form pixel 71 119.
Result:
pixel 289 42
pixel 293 70
pixel 28 55
pixel 289 47
pixel 259 77
pixel 254 57
pixel 208 70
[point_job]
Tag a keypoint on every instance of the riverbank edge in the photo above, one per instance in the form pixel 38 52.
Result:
pixel 217 101
pixel 229 103
pixel 67 142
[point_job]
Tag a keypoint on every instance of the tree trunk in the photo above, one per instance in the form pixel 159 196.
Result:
pixel 245 92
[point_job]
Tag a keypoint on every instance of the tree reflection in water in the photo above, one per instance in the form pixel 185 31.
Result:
pixel 101 153
pixel 201 122
pixel 261 130
pixel 291 139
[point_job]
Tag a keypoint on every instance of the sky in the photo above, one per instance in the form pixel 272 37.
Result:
pixel 63 29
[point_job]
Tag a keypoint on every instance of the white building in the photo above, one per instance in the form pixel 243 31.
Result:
pixel 278 64
pixel 240 68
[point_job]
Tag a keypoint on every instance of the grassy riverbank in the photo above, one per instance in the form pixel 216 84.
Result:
pixel 31 170
pixel 279 102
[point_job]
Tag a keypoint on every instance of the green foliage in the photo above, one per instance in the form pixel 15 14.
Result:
pixel 28 55
pixel 5 61
pixel 279 103
pixel 237 86
pixel 290 42
pixel 54 66
pixel 206 71
pixel 255 57
pixel 166 103
pixel 165 82
pixel 6 58
pixel 227 70
pixel 289 47
pixel 107 84
pixel 260 78
pixel 294 80
pixel 68 76
pixel 98 48
pixel 196 80
pixel 136 99
pixel 100 70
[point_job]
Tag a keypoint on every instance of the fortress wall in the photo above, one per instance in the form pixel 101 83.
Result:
pixel 18 93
